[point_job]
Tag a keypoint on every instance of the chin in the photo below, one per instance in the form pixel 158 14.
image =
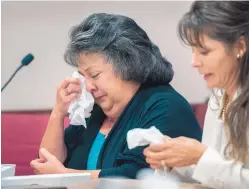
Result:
pixel 211 85
pixel 103 105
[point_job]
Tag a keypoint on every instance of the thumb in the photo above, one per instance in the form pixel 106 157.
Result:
pixel 35 163
pixel 45 154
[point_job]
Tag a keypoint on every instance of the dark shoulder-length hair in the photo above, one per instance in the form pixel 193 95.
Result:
pixel 227 22
pixel 124 44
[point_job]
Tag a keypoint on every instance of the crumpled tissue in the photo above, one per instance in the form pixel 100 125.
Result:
pixel 141 137
pixel 81 108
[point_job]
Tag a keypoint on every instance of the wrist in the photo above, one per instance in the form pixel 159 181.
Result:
pixel 64 170
pixel 201 151
pixel 58 114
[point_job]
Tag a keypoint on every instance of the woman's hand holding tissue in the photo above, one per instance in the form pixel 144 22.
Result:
pixel 47 164
pixel 175 152
pixel 68 90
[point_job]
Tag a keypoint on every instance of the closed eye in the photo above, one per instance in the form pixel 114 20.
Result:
pixel 204 51
pixel 81 73
pixel 95 76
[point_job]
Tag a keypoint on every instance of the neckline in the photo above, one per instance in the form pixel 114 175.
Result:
pixel 101 134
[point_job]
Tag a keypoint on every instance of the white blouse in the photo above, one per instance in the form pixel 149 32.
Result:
pixel 214 169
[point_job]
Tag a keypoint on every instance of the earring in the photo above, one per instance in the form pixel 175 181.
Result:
pixel 238 56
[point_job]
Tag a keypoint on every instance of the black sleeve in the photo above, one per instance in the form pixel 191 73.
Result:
pixel 72 139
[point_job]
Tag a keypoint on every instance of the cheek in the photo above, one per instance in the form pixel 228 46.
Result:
pixel 105 87
pixel 222 70
pixel 112 86
pixel 211 64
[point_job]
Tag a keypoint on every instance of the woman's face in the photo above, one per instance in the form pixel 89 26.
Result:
pixel 110 92
pixel 218 65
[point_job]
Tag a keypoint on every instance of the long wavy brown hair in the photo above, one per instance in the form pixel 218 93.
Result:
pixel 227 22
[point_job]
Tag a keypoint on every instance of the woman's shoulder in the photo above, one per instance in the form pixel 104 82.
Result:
pixel 165 93
pixel 164 98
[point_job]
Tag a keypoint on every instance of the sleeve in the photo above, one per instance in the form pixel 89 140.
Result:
pixel 214 171
pixel 128 164
pixel 173 117
pixel 72 139
pixel 72 135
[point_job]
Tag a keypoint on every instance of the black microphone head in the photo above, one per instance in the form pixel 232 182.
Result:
pixel 27 59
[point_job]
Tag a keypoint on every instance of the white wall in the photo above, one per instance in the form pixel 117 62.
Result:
pixel 42 28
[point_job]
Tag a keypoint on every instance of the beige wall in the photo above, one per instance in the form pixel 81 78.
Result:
pixel 42 28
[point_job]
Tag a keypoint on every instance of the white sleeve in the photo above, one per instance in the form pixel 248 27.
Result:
pixel 184 174
pixel 214 171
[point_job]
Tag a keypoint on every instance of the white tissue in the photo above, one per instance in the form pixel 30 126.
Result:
pixel 151 180
pixel 81 108
pixel 141 137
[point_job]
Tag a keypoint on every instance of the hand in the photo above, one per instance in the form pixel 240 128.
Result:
pixel 47 164
pixel 175 152
pixel 68 90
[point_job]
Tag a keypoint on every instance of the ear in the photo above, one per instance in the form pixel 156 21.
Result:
pixel 241 46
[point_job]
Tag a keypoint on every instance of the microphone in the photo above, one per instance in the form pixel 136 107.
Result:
pixel 25 61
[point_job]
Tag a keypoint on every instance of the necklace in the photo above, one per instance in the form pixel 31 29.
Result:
pixel 224 110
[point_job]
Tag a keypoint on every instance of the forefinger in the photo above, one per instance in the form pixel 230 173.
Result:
pixel 69 81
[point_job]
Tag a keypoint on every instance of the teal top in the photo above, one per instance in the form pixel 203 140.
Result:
pixel 94 152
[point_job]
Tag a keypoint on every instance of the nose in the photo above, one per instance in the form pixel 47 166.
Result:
pixel 90 86
pixel 196 62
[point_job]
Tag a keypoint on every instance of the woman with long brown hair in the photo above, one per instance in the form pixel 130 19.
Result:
pixel 218 32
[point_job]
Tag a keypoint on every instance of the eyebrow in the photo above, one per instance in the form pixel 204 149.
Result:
pixel 89 68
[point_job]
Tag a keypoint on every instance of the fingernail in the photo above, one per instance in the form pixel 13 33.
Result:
pixel 42 160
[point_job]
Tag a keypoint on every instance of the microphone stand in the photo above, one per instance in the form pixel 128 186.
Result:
pixel 5 85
